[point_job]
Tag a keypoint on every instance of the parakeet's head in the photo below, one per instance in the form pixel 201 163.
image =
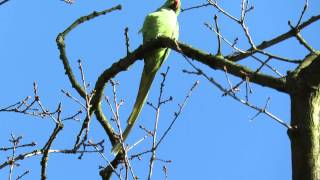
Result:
pixel 173 5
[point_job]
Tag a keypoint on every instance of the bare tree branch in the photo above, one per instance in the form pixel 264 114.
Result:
pixel 45 157
pixel 274 41
pixel 3 1
pixel 63 56
pixel 22 175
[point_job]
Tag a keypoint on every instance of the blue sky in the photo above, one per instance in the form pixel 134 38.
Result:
pixel 214 137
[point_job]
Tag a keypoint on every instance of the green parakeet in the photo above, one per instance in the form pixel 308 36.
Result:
pixel 162 22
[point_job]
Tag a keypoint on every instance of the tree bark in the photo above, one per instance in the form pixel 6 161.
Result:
pixel 305 135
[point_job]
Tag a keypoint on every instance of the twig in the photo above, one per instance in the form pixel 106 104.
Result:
pixel 18 146
pixel 33 108
pixel 177 114
pixel 149 133
pixel 15 141
pixel 164 161
pixel 263 109
pixel 45 157
pixel 96 103
pixel 139 154
pixel 115 111
pixel 242 52
pixel 165 171
pixel 214 3
pixel 195 7
pixel 73 117
pixel 116 117
pixel 283 59
pixel 69 95
pixel 62 46
pixel 271 42
pixel 210 79
pixel 248 88
pixel 244 7
pixel 23 174
pixel 23 107
pixel 156 122
pixel 86 123
pixel 4 1
pixel 41 151
pixel 69 1
pixel 90 144
pixel 228 80
pixel 44 110
pixel 236 87
pixel 138 142
pixel 305 7
pixel 126 34
pixel 233 45
pixel 265 63
pixel 301 40
pixel 247 33
pixel 105 158
pixel 218 32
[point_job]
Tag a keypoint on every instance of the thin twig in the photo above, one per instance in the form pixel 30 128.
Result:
pixel 62 46
pixel 218 32
pixel 228 80
pixel 305 7
pixel 195 7
pixel 126 34
pixel 69 1
pixel 177 114
pixel 105 158
pixel 45 156
pixel 4 1
pixel 265 63
pixel 263 109
pixel 73 117
pixel 44 110
pixel 233 45
pixel 18 146
pixel 301 40
pixel 116 116
pixel 86 123
pixel 15 141
pixel 69 95
pixel 265 44
pixel 41 151
pixel 23 174
pixel 156 122
pixel 60 40
pixel 165 171
pixel 244 9
pixel 211 80
pixel 215 4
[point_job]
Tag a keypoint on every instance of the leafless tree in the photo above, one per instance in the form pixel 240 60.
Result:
pixel 302 84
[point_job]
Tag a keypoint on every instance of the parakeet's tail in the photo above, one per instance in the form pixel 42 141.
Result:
pixel 145 84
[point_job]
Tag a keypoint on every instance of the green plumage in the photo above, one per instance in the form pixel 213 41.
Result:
pixel 162 22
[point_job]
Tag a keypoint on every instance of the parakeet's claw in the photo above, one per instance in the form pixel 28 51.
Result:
pixel 177 45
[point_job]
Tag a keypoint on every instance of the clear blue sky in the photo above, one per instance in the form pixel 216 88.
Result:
pixel 213 138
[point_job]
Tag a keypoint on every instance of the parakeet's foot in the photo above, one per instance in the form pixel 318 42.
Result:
pixel 177 45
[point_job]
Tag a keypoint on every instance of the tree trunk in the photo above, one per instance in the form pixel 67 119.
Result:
pixel 305 136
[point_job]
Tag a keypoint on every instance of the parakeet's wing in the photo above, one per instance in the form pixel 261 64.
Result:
pixel 159 23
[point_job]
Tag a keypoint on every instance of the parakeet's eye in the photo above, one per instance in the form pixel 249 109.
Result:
pixel 175 5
